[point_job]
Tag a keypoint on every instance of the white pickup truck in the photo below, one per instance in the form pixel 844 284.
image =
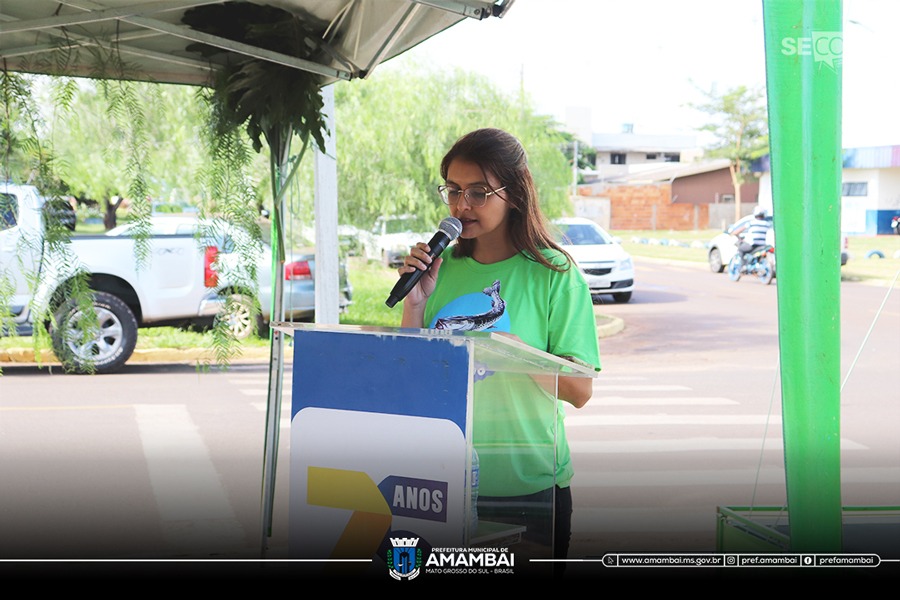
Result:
pixel 392 237
pixel 176 285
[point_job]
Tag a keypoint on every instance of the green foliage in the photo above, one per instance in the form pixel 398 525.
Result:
pixel 7 289
pixel 18 128
pixel 232 199
pixel 394 129
pixel 739 122
pixel 587 155
pixel 226 176
pixel 92 140
pixel 125 109
pixel 371 283
pixel 167 208
pixel 175 337
pixel 19 138
pixel 24 137
pixel 273 100
pixel 115 124
pixel 28 156
pixel 222 340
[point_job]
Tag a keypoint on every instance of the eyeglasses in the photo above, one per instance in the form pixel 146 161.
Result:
pixel 475 196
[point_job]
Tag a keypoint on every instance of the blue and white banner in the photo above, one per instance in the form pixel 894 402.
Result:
pixel 378 443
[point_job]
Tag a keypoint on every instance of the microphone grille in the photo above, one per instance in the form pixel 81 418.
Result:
pixel 452 227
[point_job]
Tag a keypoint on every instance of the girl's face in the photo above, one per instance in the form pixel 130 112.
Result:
pixel 487 222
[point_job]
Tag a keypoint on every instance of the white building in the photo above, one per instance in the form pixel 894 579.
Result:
pixel 870 189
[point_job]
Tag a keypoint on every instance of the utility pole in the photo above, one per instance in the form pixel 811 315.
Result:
pixel 575 167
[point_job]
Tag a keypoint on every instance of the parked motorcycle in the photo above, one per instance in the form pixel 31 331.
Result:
pixel 760 263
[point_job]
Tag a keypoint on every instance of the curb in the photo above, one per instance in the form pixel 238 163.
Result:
pixel 161 355
pixel 606 327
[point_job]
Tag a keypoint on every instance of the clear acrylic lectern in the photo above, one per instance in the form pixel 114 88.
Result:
pixel 384 426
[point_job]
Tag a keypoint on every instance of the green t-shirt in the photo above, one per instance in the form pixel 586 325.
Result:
pixel 518 427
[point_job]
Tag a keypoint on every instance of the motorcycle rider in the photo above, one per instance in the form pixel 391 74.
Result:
pixel 752 234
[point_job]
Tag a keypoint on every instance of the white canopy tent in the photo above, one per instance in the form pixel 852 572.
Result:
pixel 151 37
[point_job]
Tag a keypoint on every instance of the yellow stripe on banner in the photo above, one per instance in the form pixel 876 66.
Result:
pixel 350 490
pixel 362 536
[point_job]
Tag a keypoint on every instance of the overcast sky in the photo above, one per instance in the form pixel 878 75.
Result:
pixel 641 61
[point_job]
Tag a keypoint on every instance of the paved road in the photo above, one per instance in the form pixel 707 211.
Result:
pixel 686 415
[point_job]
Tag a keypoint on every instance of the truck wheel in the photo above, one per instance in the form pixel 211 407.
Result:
pixel 103 349
pixel 240 317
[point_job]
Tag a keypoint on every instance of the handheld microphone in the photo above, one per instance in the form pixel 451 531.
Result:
pixel 448 231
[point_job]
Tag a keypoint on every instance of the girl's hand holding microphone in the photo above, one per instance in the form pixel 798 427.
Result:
pixel 419 259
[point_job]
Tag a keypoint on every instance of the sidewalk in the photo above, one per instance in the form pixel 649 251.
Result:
pixel 606 326
pixel 151 355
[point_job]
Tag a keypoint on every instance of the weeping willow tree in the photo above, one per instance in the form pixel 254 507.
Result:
pixel 27 157
pixel 125 109
pixel 438 106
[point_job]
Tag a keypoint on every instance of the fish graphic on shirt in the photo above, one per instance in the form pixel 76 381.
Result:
pixel 479 322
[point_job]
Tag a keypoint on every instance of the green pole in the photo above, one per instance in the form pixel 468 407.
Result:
pixel 803 72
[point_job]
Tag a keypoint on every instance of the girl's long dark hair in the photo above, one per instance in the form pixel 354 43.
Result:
pixel 501 154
